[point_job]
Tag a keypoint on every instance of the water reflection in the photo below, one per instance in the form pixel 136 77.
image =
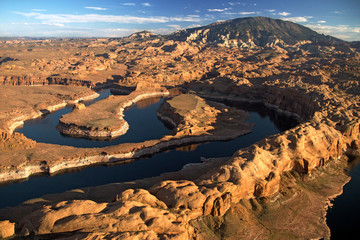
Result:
pixel 187 148
pixel 281 121
pixel 342 217
pixel 144 117
pixel 147 102
pixel 171 160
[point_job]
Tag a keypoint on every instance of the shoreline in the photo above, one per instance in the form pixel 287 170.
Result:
pixel 155 146
pixel 19 121
pixel 167 142
pixel 258 154
pixel 138 150
pixel 109 132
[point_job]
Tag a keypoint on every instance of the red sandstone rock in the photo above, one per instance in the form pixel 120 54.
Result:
pixel 7 229
pixel 316 83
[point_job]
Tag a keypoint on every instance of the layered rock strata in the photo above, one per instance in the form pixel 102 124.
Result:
pixel 252 173
pixel 192 115
pixel 202 122
pixel 7 229
pixel 317 81
pixel 22 103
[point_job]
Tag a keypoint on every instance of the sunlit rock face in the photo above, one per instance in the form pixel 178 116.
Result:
pixel 278 187
pixel 192 115
pixel 251 33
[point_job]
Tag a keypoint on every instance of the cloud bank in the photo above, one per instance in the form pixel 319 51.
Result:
pixel 297 19
pixel 97 8
pixel 340 31
pixel 218 9
pixel 284 14
pixel 92 18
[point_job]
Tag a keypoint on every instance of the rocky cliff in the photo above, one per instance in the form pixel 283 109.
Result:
pixel 277 188
pixel 256 172
pixel 252 32
pixel 191 115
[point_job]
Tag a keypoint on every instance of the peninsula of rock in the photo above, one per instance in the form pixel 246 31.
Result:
pixel 279 187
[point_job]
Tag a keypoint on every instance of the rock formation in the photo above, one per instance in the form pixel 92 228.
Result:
pixel 192 115
pixel 7 229
pixel 22 103
pixel 279 187
pixel 252 32
pixel 104 119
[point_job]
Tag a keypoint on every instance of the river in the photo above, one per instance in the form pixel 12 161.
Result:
pixel 144 125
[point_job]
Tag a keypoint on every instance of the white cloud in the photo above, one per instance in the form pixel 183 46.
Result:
pixel 341 31
pixel 175 26
pixel 322 21
pixel 162 30
pixel 197 11
pixel 146 4
pixel 107 32
pixel 296 19
pixel 39 10
pixel 242 13
pixel 117 32
pixel 193 26
pixel 195 16
pixel 209 17
pixel 49 24
pixel 56 24
pixel 338 12
pixel 327 29
pixel 218 10
pixel 246 13
pixel 239 3
pixel 129 4
pixel 87 18
pixel 270 10
pixel 183 19
pixel 97 8
pixel 284 14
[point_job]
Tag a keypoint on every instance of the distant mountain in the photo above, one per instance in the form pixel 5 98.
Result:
pixel 252 31
pixel 142 35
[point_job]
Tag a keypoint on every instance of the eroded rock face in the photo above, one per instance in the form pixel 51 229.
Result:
pixel 166 208
pixel 46 217
pixel 256 172
pixel 134 213
pixel 245 33
pixel 318 83
pixel 7 229
pixel 79 106
pixel 192 115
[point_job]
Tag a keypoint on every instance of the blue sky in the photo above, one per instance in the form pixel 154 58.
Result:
pixel 117 18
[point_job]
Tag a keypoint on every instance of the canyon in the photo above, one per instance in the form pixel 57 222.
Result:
pixel 279 187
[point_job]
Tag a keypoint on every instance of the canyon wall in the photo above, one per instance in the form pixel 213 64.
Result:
pixel 165 208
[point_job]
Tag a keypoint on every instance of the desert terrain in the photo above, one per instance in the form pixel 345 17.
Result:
pixel 277 188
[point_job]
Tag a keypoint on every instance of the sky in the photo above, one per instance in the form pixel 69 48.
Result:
pixel 119 18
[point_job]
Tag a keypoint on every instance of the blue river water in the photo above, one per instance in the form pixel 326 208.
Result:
pixel 343 217
pixel 143 122
pixel 144 125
